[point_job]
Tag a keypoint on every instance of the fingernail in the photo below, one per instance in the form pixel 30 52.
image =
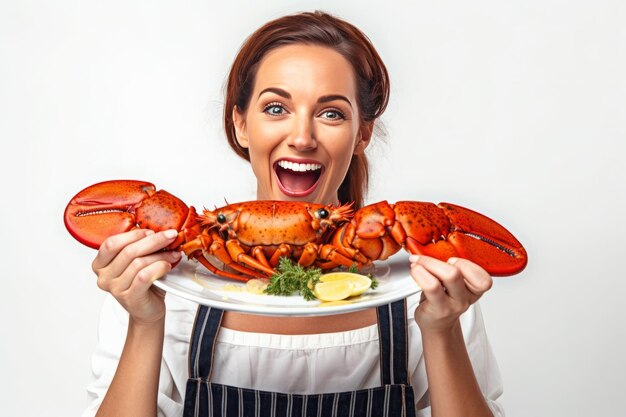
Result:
pixel 171 233
pixel 414 258
pixel 176 255
pixel 149 232
pixel 452 261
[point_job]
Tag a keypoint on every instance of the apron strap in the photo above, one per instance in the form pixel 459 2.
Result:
pixel 202 345
pixel 393 342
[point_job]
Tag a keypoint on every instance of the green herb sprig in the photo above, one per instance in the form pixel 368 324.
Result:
pixel 293 278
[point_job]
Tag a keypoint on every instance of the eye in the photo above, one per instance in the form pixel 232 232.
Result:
pixel 221 218
pixel 332 114
pixel 323 213
pixel 274 109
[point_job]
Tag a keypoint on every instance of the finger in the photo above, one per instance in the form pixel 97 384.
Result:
pixel 147 276
pixel 134 270
pixel 449 275
pixel 432 288
pixel 477 280
pixel 114 244
pixel 146 246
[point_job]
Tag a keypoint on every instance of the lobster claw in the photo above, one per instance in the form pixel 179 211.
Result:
pixel 111 207
pixel 487 242
pixel 464 233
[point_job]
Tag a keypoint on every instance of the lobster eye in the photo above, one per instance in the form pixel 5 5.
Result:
pixel 323 213
pixel 221 218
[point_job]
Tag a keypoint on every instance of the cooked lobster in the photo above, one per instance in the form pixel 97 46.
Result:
pixel 249 238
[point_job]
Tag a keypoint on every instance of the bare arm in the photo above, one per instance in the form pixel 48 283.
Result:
pixel 134 389
pixel 126 266
pixel 448 289
pixel 453 388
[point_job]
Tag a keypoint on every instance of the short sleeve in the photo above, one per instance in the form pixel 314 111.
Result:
pixel 112 330
pixel 480 353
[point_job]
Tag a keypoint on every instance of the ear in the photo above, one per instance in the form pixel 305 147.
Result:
pixel 364 137
pixel 239 122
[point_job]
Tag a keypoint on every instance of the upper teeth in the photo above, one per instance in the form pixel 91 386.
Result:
pixel 295 166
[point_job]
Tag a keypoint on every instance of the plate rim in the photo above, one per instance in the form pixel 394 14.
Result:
pixel 277 310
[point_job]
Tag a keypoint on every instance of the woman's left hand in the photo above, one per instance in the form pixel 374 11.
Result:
pixel 448 289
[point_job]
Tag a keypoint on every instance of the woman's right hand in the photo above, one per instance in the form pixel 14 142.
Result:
pixel 128 263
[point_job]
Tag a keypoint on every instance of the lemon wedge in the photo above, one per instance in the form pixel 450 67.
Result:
pixel 357 283
pixel 333 290
pixel 360 283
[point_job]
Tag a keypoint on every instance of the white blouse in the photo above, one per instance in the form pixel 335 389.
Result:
pixel 318 363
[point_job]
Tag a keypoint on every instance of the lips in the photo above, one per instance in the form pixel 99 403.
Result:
pixel 297 177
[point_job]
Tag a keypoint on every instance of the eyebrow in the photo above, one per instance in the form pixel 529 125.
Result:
pixel 332 97
pixel 278 91
pixel 323 99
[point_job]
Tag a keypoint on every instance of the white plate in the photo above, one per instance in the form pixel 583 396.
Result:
pixel 192 281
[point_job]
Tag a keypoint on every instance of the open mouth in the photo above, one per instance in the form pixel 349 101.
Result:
pixel 297 178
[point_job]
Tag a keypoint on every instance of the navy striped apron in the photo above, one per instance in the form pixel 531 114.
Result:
pixel 393 398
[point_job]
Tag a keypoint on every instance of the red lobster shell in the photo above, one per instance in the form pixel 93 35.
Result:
pixel 250 237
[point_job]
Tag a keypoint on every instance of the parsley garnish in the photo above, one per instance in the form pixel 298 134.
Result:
pixel 293 278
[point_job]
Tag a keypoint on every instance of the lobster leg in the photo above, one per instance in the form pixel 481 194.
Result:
pixel 213 244
pixel 327 265
pixel 208 265
pixel 309 254
pixel 283 251
pixel 333 254
pixel 258 254
pixel 237 253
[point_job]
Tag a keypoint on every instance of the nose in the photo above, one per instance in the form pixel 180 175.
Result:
pixel 302 137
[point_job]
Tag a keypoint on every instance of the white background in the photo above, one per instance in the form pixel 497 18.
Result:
pixel 516 109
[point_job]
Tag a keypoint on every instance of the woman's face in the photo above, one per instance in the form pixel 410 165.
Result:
pixel 302 124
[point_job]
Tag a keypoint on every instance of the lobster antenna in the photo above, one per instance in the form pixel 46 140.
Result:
pixel 346 209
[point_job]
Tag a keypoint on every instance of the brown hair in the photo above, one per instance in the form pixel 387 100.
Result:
pixel 316 28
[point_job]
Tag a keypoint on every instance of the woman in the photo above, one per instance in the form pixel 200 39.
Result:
pixel 302 98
